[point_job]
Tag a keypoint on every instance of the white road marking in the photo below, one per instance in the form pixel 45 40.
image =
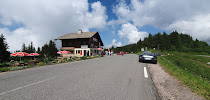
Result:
pixel 26 86
pixel 145 72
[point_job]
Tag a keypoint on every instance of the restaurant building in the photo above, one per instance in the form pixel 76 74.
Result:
pixel 81 44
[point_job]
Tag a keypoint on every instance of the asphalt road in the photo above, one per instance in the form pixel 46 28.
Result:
pixel 106 78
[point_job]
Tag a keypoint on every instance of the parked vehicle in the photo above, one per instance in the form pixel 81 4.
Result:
pixel 148 56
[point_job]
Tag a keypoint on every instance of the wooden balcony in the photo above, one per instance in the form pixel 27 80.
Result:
pixel 68 48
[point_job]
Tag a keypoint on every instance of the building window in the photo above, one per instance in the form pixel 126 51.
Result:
pixel 65 44
pixel 73 43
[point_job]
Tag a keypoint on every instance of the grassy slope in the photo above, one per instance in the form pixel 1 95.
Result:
pixel 192 70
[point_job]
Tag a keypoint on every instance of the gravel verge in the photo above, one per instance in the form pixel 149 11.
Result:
pixel 169 88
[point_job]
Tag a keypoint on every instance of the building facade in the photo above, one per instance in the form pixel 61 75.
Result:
pixel 81 43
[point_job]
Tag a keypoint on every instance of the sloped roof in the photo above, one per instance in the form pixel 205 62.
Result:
pixel 76 36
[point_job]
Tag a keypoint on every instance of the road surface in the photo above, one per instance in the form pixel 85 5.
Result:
pixel 106 78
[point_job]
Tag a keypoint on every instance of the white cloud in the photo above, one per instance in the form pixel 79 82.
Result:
pixel 114 43
pixel 190 16
pixel 119 44
pixel 198 27
pixel 131 33
pixel 21 36
pixel 45 20
pixel 122 11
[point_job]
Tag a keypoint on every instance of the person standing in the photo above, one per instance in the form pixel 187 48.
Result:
pixel 122 53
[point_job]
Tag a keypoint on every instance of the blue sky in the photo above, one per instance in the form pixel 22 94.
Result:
pixel 110 4
pixel 119 22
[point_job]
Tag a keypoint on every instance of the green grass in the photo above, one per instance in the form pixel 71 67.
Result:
pixel 4 69
pixel 190 69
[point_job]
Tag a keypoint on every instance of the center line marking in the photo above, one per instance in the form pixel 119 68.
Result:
pixel 145 72
pixel 26 86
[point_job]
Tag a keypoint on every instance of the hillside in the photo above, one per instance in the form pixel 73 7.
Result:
pixel 167 42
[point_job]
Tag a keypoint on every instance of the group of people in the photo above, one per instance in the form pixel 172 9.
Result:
pixel 108 53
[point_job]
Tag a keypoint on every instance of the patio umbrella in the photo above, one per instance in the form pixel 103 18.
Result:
pixel 100 49
pixel 63 52
pixel 34 54
pixel 19 54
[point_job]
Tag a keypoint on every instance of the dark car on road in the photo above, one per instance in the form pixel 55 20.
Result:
pixel 148 56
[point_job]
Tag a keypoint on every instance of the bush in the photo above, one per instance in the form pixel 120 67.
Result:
pixel 4 65
pixel 4 69
pixel 70 60
pixel 74 59
pixel 83 58
pixel 26 60
pixel 50 59
pixel 46 61
pixel 41 64
pixel 78 59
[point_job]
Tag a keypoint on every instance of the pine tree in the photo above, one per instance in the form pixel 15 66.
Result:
pixel 31 48
pixel 52 49
pixel 38 50
pixel 24 49
pixel 175 39
pixel 157 40
pixel 4 54
pixel 44 51
pixel 165 42
pixel 186 40
pixel 139 44
pixel 150 40
pixel 145 42
pixel 197 44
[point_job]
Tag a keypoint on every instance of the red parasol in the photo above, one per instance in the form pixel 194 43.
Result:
pixel 19 54
pixel 63 52
pixel 34 54
pixel 100 49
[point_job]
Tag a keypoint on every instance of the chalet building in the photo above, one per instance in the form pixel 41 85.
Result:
pixel 81 43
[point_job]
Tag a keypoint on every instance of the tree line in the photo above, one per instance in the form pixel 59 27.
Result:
pixel 48 50
pixel 167 42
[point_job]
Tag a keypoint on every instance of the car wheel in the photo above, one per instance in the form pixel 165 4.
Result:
pixel 155 62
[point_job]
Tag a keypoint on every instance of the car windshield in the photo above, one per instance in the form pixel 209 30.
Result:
pixel 148 53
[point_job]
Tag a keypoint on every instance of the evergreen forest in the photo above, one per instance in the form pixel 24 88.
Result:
pixel 167 42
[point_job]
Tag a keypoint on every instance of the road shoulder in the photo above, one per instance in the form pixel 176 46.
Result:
pixel 169 88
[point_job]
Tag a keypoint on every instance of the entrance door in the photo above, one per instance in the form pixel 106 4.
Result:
pixel 85 53
pixel 88 53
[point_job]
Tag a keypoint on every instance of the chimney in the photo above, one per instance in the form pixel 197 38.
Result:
pixel 79 31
